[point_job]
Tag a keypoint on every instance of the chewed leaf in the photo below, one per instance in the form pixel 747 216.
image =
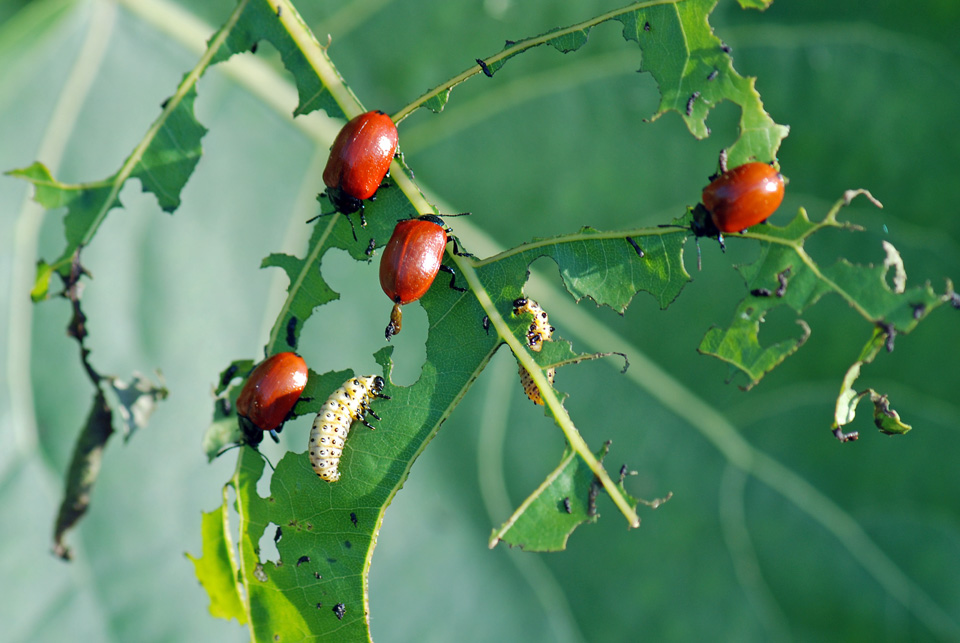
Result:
pixel 84 472
pixel 739 345
pixel 895 261
pixel 284 595
pixel 691 66
pixel 785 275
pixel 308 289
pixel 608 267
pixel 224 431
pixel 172 153
pixel 694 72
pixel 135 401
pixel 569 40
pixel 163 161
pixel 167 155
pixel 86 205
pixel 562 503
pixel 886 419
pixel 280 25
pixel 215 569
pixel 132 403
pixel 755 4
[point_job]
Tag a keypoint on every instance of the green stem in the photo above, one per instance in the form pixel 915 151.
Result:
pixel 576 441
pixel 517 47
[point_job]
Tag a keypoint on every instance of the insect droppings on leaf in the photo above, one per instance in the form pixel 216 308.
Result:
pixel 782 280
pixel 291 332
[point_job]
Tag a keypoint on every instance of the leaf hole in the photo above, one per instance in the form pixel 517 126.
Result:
pixel 267 545
pixel 778 324
pixel 345 333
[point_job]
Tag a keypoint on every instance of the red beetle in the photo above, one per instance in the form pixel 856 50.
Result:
pixel 743 197
pixel 359 159
pixel 410 262
pixel 269 395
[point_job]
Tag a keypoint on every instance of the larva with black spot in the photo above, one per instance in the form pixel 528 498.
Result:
pixel 530 387
pixel 350 403
pixel 540 329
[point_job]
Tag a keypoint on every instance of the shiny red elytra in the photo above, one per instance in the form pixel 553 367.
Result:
pixel 269 395
pixel 743 197
pixel 359 159
pixel 412 258
pixel 410 262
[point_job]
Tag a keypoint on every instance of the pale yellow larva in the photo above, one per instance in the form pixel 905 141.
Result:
pixel 348 404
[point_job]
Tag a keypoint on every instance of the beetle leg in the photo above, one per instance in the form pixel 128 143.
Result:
pixel 453 277
pixel 457 251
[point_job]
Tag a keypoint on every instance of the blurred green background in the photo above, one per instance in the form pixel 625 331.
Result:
pixel 775 530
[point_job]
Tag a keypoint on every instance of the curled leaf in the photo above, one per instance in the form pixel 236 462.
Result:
pixel 885 418
pixel 83 472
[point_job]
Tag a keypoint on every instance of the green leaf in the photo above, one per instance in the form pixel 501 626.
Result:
pixel 280 25
pixel 831 509
pixel 785 274
pixel 604 266
pixel 163 161
pixel 886 419
pixel 169 159
pixel 755 4
pixel 216 569
pixel 695 73
pixel 169 152
pixel 41 288
pixel 545 520
pixel 692 67
pixel 86 205
pixel 739 345
pixel 324 541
